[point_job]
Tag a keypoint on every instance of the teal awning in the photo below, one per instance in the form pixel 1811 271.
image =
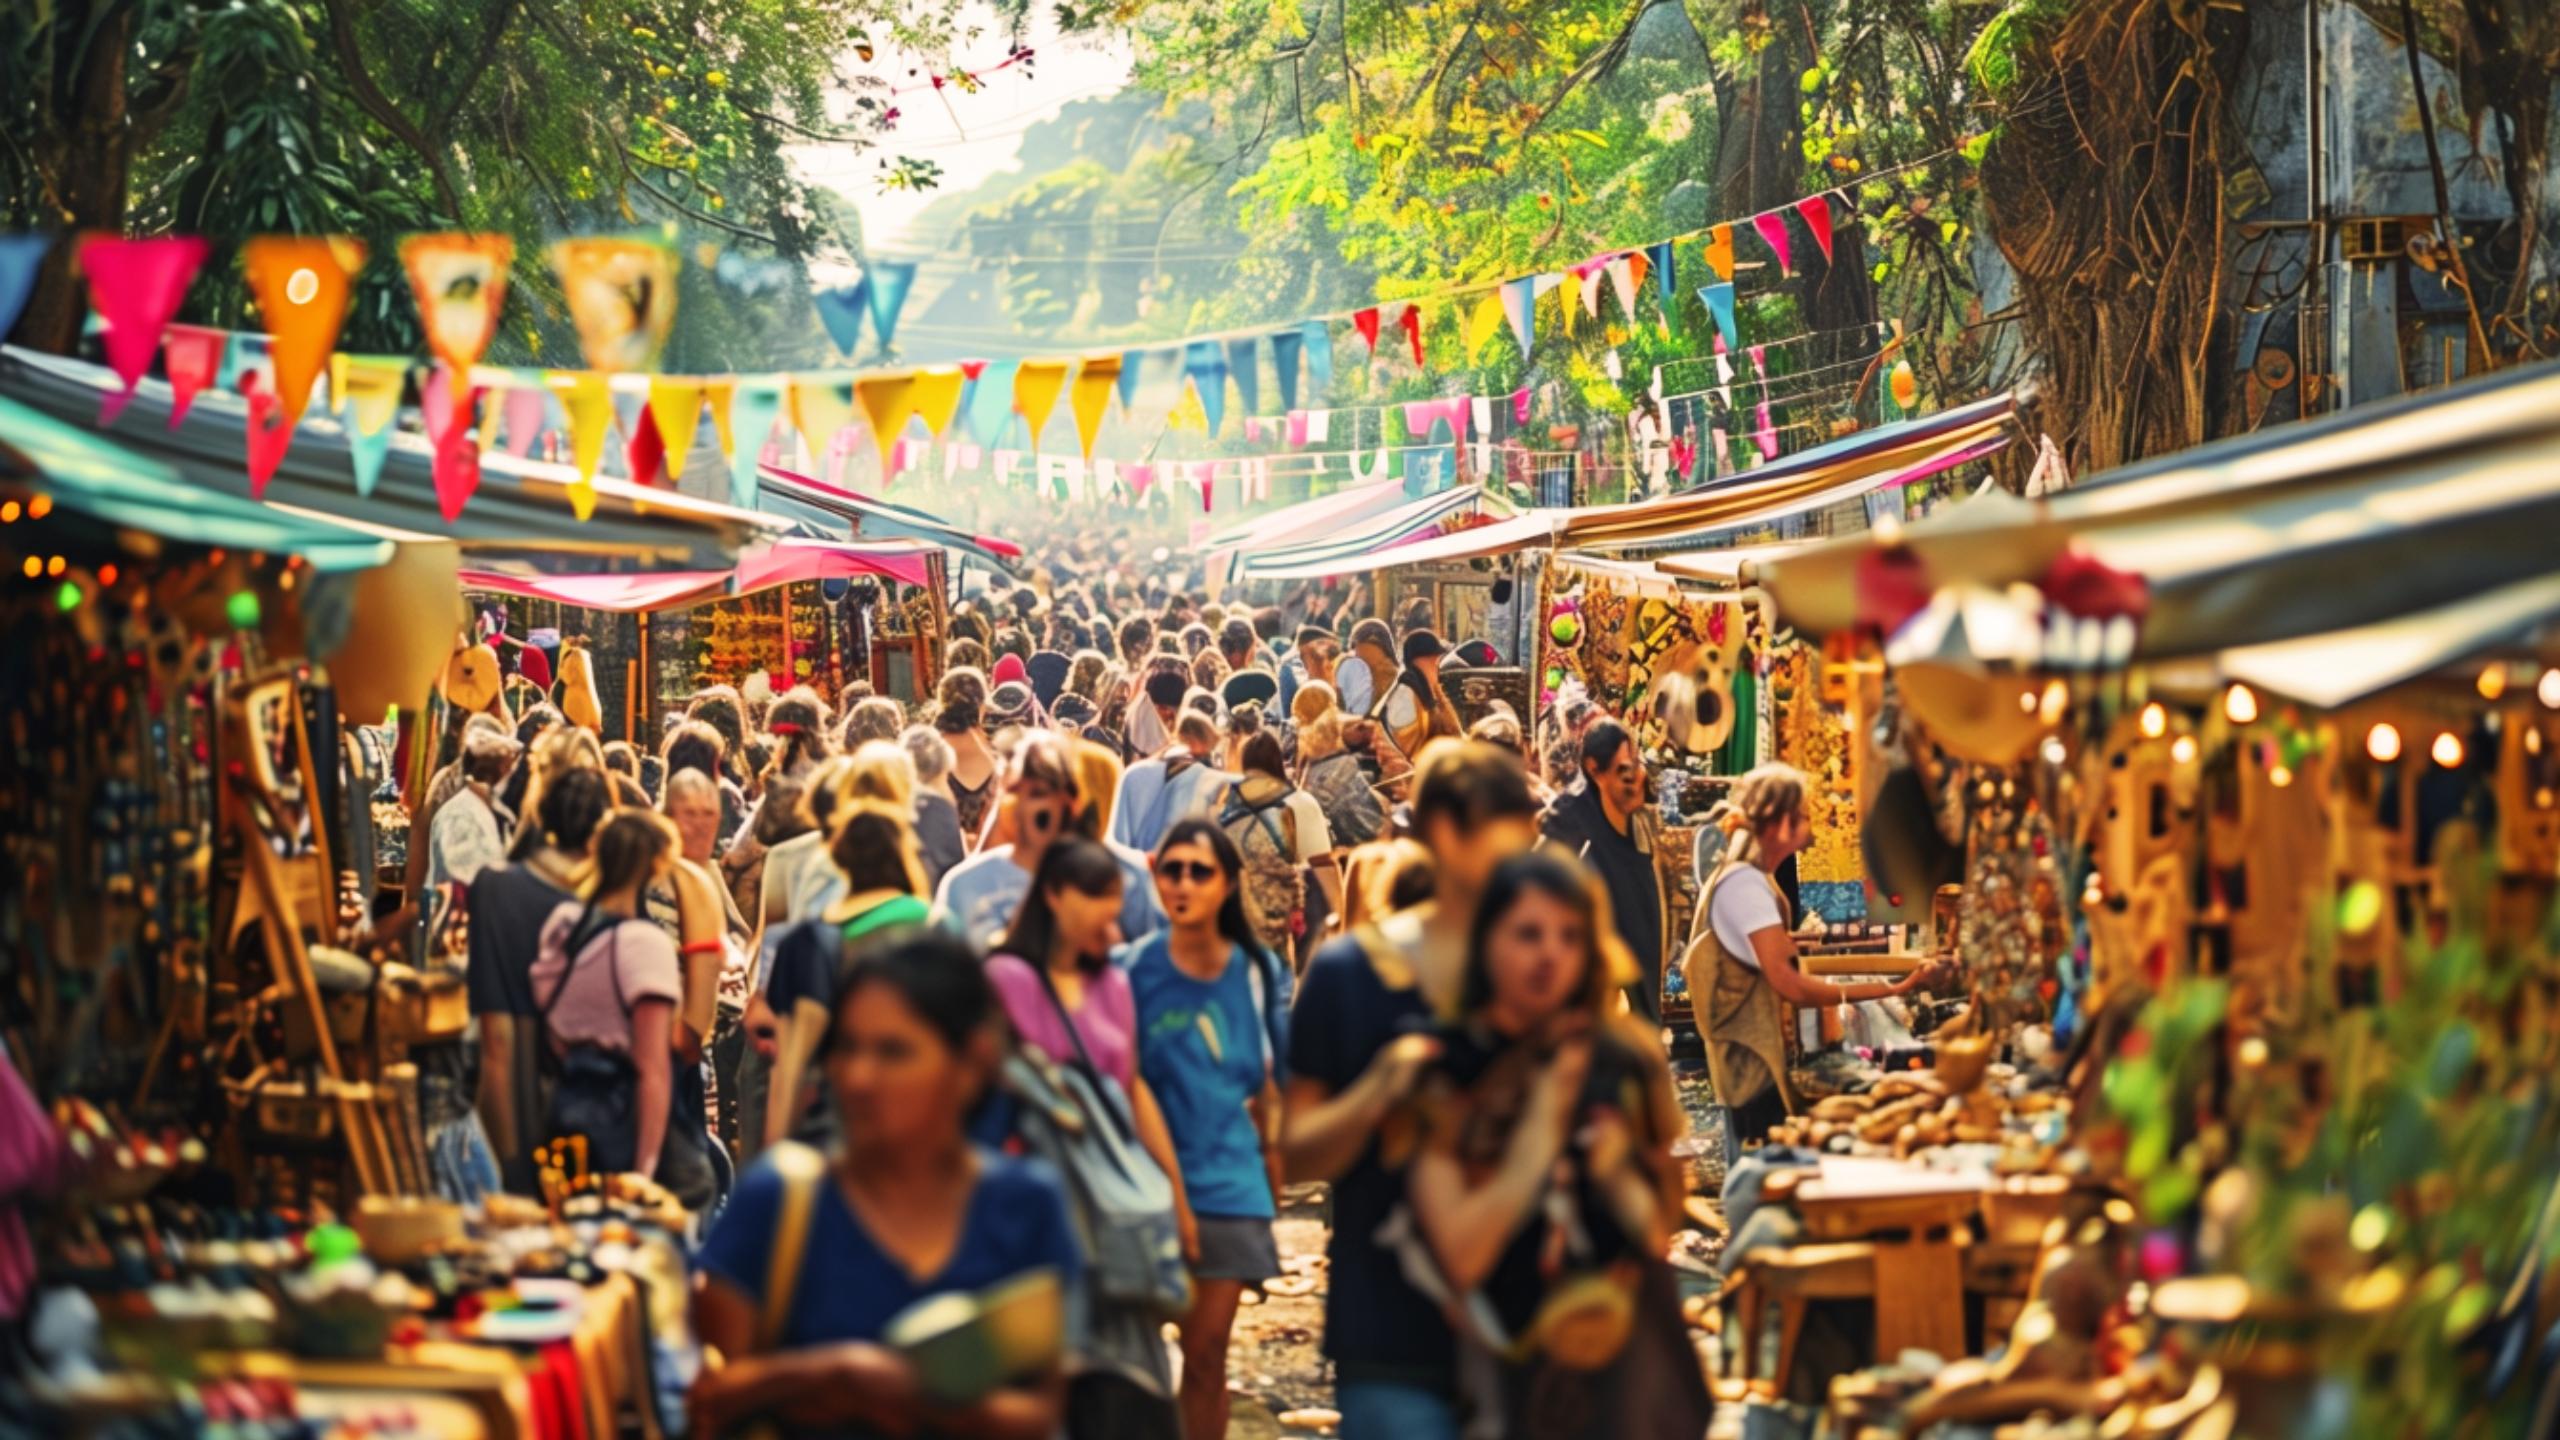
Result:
pixel 87 476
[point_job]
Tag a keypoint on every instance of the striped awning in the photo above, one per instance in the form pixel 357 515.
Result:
pixel 811 500
pixel 2353 520
pixel 519 514
pixel 789 561
pixel 1368 545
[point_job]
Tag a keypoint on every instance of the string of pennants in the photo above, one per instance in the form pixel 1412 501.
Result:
pixel 621 297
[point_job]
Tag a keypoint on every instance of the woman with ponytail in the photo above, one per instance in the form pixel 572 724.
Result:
pixel 1742 961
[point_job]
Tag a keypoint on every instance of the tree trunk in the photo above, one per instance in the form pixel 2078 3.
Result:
pixel 86 161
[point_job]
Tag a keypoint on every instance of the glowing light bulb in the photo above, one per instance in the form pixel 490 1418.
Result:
pixel 2026 702
pixel 2279 776
pixel 2532 740
pixel 2240 705
pixel 2447 750
pixel 2183 749
pixel 39 507
pixel 2493 681
pixel 2382 742
pixel 2056 700
pixel 2547 689
pixel 2155 721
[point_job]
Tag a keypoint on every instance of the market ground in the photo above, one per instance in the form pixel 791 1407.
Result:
pixel 1275 1372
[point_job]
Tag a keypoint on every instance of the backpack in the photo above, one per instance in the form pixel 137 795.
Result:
pixel 1076 1118
pixel 594 1091
pixel 1274 897
pixel 1341 787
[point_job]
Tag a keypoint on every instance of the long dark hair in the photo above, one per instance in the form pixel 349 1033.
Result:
pixel 1541 873
pixel 1072 862
pixel 573 804
pixel 627 847
pixel 1197 830
pixel 934 972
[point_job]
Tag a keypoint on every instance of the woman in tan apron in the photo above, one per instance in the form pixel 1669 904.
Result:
pixel 1742 956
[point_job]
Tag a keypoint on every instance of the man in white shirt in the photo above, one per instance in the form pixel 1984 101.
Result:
pixel 1180 782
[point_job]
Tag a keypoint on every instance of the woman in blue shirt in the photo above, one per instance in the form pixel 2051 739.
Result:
pixel 906 1211
pixel 1209 1003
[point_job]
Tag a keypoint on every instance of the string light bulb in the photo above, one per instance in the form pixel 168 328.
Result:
pixel 2279 776
pixel 2447 750
pixel 2547 689
pixel 2240 705
pixel 2493 681
pixel 2382 742
pixel 2056 700
pixel 2183 749
pixel 2155 721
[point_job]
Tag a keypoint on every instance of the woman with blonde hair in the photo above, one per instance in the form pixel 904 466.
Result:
pixel 1742 959
pixel 1330 770
pixel 873 847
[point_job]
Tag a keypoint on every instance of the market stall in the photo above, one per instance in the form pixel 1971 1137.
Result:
pixel 2248 876
pixel 231 1131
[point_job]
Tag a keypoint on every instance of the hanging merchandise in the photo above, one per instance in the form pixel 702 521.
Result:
pixel 1035 393
pixel 136 287
pixel 367 389
pixel 460 282
pixel 622 298
pixel 842 310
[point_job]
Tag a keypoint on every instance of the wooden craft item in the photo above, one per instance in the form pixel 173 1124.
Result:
pixel 577 688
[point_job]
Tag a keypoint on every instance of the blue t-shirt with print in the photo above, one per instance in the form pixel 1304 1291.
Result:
pixel 1204 1050
pixel 850 1289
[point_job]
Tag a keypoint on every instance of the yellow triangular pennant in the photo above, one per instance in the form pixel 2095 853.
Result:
pixel 1188 414
pixel 1484 322
pixel 937 397
pixel 887 402
pixel 675 402
pixel 371 385
pixel 1094 383
pixel 717 394
pixel 1035 392
pixel 588 401
pixel 821 405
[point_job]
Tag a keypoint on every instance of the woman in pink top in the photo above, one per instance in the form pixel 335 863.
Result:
pixel 609 981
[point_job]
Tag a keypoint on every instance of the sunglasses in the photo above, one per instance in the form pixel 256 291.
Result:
pixel 1198 872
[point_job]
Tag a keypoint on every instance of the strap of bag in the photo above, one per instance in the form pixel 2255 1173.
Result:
pixel 802 1170
pixel 1127 1125
pixel 580 936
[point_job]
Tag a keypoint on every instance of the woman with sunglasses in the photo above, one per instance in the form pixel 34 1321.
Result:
pixel 1210 1001
pixel 1069 1004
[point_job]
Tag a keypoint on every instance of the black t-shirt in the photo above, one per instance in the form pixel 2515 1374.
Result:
pixel 1635 891
pixel 1377 1327
pixel 508 904
pixel 1481 1084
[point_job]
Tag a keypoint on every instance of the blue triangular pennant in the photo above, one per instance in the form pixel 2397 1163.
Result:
pixel 991 404
pixel 1286 347
pixel 1665 287
pixel 365 452
pixel 842 309
pixel 1520 307
pixel 21 256
pixel 1245 362
pixel 1131 362
pixel 752 411
pixel 888 280
pixel 1206 364
pixel 1319 338
pixel 1719 300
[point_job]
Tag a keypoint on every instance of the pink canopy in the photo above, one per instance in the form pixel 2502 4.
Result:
pixel 784 562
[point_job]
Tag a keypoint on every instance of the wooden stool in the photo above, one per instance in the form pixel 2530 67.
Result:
pixel 1795 1277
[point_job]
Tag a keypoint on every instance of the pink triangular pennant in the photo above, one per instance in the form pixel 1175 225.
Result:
pixel 1622 277
pixel 447 410
pixel 1773 232
pixel 1139 477
pixel 647 452
pixel 524 413
pixel 192 354
pixel 270 433
pixel 1764 433
pixel 1816 210
pixel 1520 406
pixel 136 286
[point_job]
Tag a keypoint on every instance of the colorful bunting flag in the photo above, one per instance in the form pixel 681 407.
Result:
pixel 890 281
pixel 622 298
pixel 586 398
pixel 1622 279
pixel 21 257
pixel 1319 343
pixel 843 309
pixel 1139 478
pixel 1519 297
pixel 1765 434
pixel 301 284
pixel 367 390
pixel 269 433
pixel 1132 366
pixel 887 401
pixel 1366 322
pixel 460 282
pixel 525 411
pixel 192 356
pixel 1206 366
pixel 937 398
pixel 1410 322
pixel 1286 348
pixel 1666 287
pixel 1816 210
pixel 1520 406
pixel 990 408
pixel 136 286
pixel 1719 302
pixel 1720 252
pixel 1035 393
pixel 752 410
pixel 644 455
pixel 1095 380
pixel 1483 322
pixel 675 411
pixel 720 392
pixel 1772 226
pixel 821 406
